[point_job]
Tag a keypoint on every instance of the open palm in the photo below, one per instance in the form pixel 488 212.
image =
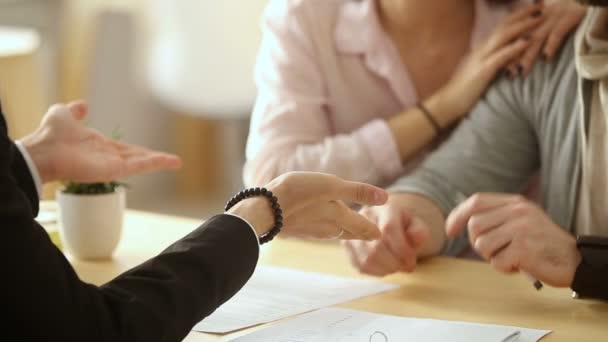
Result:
pixel 67 150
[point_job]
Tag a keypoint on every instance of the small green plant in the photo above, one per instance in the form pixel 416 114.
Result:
pixel 95 188
pixel 92 188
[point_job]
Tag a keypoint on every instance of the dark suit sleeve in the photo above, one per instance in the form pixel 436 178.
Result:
pixel 21 173
pixel 158 301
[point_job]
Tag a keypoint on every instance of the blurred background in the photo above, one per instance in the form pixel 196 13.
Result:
pixel 170 75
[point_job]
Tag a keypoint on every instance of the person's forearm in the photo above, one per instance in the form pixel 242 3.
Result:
pixel 413 131
pixel 195 276
pixel 426 210
pixel 160 300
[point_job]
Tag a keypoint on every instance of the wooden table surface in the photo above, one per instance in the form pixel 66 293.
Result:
pixel 441 288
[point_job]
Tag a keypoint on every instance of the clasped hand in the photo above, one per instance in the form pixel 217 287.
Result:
pixel 509 231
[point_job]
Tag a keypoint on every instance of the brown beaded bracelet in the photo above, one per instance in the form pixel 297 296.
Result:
pixel 274 204
pixel 429 117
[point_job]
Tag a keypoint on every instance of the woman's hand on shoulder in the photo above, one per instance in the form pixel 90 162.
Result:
pixel 561 17
pixel 506 44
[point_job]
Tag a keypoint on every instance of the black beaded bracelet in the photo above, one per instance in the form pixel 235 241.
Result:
pixel 274 204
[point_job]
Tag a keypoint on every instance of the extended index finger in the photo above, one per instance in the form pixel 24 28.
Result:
pixel 356 226
pixel 478 203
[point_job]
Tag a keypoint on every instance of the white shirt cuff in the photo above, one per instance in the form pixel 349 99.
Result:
pixel 33 169
pixel 250 226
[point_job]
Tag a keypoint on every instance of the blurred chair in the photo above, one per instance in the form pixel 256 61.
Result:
pixel 200 56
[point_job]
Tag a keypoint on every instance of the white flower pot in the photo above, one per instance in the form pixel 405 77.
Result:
pixel 90 226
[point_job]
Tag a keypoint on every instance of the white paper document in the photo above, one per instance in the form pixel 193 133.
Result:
pixel 342 325
pixel 275 293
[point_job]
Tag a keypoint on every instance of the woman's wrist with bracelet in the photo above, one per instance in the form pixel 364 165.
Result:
pixel 422 123
pixel 437 127
pixel 437 110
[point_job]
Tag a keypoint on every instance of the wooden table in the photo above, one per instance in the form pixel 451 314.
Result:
pixel 441 288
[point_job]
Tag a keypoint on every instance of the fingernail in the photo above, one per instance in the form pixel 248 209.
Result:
pixel 537 14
